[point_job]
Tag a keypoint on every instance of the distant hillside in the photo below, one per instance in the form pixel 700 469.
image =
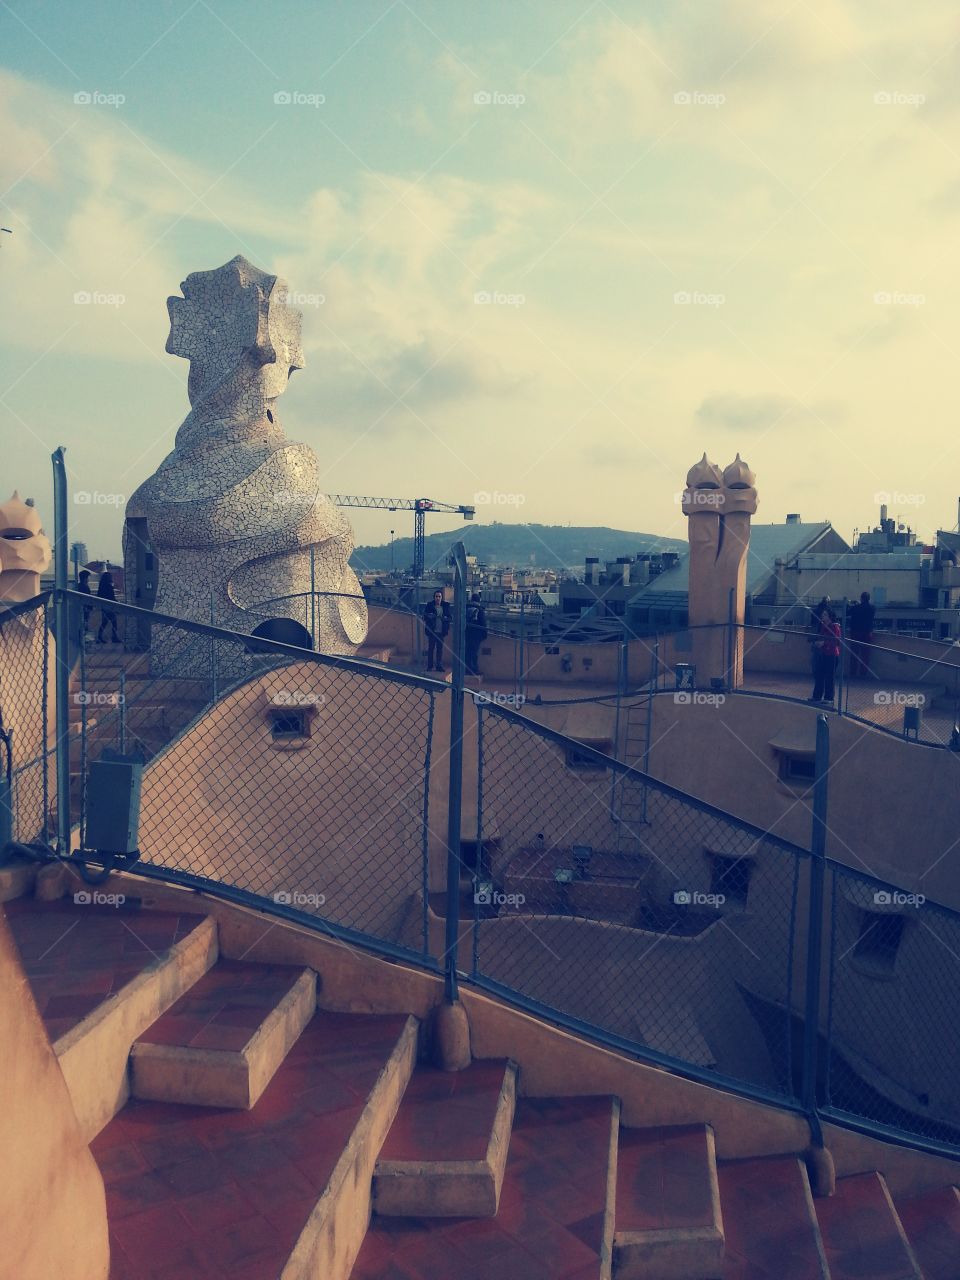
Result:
pixel 540 546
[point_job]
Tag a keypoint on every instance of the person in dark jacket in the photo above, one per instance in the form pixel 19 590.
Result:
pixel 826 651
pixel 83 585
pixel 861 636
pixel 436 623
pixel 476 632
pixel 105 591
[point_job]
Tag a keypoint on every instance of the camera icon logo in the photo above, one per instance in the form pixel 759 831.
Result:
pixel 282 98
pixel 83 98
pixel 682 898
pixel 482 98
pixel 483 896
pixel 882 899
pixel 283 899
pixel 82 898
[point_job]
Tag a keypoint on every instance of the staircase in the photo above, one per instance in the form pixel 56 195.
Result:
pixel 242 1132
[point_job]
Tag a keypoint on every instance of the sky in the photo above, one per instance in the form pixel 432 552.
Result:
pixel 548 252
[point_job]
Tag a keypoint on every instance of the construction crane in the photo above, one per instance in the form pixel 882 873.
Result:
pixel 419 507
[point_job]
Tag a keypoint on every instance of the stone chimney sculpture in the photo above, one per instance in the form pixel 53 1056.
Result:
pixel 25 553
pixel 719 506
pixel 233 512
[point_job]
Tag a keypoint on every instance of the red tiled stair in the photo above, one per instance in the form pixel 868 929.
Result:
pixel 932 1224
pixel 198 1192
pixel 76 955
pixel 549 1225
pixel 222 1041
pixel 862 1232
pixel 769 1221
pixel 667 1224
pixel 447 1149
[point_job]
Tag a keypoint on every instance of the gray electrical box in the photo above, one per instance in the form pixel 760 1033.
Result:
pixel 113 803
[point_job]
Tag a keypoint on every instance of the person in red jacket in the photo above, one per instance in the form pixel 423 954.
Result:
pixel 826 651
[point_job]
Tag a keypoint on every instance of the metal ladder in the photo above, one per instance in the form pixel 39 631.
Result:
pixel 628 801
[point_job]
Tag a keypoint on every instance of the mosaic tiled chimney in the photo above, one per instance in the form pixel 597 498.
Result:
pixel 719 506
pixel 231 515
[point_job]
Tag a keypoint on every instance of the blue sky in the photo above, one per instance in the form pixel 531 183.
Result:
pixel 701 227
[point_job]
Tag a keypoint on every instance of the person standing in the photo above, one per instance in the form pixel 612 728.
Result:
pixel 826 651
pixel 476 632
pixel 861 636
pixel 436 623
pixel 106 592
pixel 83 586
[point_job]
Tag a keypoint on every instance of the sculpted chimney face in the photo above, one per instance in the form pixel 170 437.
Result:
pixel 234 324
pixel 25 550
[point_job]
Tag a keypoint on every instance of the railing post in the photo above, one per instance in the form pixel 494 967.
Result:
pixel 313 599
pixel 122 719
pixel 62 630
pixel 213 653
pixel 811 1022
pixel 455 794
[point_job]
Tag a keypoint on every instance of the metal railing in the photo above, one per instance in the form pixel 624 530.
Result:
pixel 346 796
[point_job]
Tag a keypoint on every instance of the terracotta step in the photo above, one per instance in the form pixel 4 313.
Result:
pixel 862 1232
pixel 446 1153
pixel 769 1222
pixel 100 975
pixel 281 1189
pixel 549 1225
pixel 932 1224
pixel 667 1224
pixel 222 1042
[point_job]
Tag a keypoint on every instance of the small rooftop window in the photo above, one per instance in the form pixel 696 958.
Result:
pixel 730 877
pixel 288 724
pixel 879 941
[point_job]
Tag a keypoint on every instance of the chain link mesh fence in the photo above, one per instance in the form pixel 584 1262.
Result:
pixel 617 902
pixel 281 774
pixel 893 1019
pixel 27 728
pixel 593 893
